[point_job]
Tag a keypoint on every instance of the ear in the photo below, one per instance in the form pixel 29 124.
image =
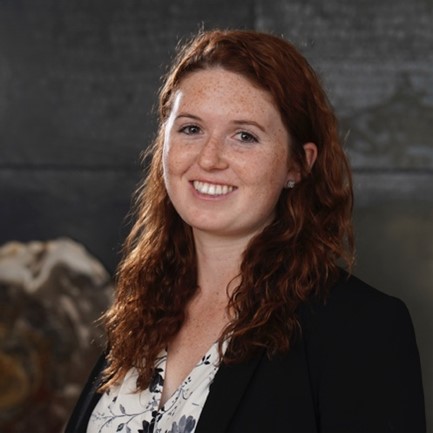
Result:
pixel 294 175
pixel 310 150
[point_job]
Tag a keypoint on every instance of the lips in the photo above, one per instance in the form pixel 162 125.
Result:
pixel 212 188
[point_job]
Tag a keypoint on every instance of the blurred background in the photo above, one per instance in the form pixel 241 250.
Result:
pixel 78 81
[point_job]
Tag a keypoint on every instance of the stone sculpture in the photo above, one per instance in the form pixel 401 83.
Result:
pixel 51 296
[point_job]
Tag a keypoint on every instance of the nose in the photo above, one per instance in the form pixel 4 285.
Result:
pixel 212 155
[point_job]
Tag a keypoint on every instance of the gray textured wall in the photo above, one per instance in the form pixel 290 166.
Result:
pixel 77 87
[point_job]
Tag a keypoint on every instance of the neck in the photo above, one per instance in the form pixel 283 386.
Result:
pixel 218 262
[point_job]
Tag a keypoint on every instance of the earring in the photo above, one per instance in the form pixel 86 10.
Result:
pixel 290 184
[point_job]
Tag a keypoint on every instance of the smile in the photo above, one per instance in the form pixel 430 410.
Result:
pixel 211 188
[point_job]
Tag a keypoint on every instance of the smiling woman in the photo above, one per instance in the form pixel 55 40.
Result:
pixel 224 134
pixel 233 312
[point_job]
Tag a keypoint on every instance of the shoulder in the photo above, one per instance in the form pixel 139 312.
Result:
pixel 351 292
pixel 351 304
pixel 363 360
pixel 88 399
pixel 357 320
pixel 358 329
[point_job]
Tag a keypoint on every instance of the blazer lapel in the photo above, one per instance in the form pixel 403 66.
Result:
pixel 220 404
pixel 243 396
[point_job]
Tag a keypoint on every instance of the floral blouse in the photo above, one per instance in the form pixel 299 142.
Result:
pixel 121 409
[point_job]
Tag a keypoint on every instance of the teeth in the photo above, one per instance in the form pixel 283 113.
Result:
pixel 212 189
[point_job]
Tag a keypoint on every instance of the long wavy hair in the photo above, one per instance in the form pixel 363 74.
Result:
pixel 297 255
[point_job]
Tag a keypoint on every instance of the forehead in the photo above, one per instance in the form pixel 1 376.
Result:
pixel 220 86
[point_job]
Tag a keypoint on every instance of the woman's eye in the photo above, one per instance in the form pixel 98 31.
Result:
pixel 190 129
pixel 246 137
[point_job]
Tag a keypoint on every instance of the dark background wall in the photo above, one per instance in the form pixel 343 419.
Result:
pixel 77 86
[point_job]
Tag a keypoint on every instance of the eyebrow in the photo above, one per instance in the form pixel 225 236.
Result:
pixel 249 122
pixel 189 116
pixel 239 122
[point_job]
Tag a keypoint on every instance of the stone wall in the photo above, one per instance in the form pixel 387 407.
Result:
pixel 77 87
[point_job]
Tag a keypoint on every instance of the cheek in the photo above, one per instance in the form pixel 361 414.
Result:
pixel 170 158
pixel 175 164
pixel 169 165
pixel 274 169
pixel 168 150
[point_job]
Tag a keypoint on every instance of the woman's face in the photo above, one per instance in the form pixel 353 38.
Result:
pixel 226 154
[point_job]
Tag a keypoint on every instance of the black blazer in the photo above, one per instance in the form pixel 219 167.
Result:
pixel 355 370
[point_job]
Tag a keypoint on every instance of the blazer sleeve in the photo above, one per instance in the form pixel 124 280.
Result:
pixel 365 365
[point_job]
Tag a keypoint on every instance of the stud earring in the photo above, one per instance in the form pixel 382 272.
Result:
pixel 290 184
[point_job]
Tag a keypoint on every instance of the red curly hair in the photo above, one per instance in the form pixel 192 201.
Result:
pixel 292 258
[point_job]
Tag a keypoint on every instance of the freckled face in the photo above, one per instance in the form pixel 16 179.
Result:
pixel 226 154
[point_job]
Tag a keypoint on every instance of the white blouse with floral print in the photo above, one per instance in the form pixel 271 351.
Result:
pixel 121 409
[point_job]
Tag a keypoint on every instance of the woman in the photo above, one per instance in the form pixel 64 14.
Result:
pixel 231 312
